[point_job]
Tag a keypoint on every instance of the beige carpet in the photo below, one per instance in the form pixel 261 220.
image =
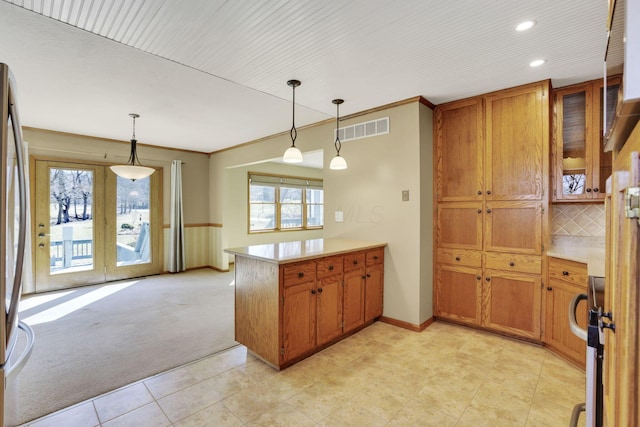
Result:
pixel 115 334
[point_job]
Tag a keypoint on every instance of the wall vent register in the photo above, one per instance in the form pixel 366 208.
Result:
pixel 364 129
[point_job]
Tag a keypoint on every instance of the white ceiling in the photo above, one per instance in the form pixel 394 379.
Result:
pixel 209 74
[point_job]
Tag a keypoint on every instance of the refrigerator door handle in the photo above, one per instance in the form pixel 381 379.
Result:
pixel 573 323
pixel 22 232
pixel 16 367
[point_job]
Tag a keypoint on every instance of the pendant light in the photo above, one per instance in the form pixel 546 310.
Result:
pixel 130 170
pixel 338 162
pixel 293 154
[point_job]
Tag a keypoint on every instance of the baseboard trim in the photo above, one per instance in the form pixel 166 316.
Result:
pixel 406 325
pixel 210 267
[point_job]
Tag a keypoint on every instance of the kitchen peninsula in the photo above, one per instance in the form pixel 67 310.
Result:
pixel 293 299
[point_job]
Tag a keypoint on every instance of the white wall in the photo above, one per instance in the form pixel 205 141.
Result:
pixel 426 213
pixel 369 193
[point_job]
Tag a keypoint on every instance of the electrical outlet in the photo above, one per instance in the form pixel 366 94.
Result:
pixel 405 195
pixel 339 216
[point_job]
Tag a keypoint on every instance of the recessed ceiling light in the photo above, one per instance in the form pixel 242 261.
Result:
pixel 524 26
pixel 537 62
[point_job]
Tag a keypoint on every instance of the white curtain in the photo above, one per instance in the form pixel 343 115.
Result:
pixel 177 258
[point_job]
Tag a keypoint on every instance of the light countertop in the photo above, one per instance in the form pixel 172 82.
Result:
pixel 593 257
pixel 286 252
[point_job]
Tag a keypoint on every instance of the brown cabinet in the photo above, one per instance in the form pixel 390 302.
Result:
pixel 566 279
pixel 287 312
pixel 299 319
pixel 492 167
pixel 354 289
pixel 581 167
pixel 458 293
pixel 512 302
pixel 329 302
pixel 459 137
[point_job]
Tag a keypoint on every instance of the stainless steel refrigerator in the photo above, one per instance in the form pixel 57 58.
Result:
pixel 13 228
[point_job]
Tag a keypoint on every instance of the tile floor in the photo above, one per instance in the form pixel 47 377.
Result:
pixel 382 376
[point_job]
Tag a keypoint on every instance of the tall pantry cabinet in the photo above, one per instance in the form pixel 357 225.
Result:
pixel 492 169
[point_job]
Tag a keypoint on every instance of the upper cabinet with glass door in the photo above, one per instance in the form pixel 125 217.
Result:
pixel 581 167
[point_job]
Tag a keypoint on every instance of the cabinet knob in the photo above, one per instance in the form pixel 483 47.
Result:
pixel 596 189
pixel 457 258
pixel 368 275
pixel 512 264
pixel 479 210
pixel 549 288
pixel 479 193
pixel 565 273
pixel 375 257
pixel 588 190
pixel 488 191
pixel 330 267
pixel 488 210
pixel 301 274
pixel 319 290
pixel 364 277
pixel 355 262
pixel 478 278
pixel 41 245
pixel 488 279
pixel 313 291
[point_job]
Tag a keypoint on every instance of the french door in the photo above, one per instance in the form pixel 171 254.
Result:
pixel 92 226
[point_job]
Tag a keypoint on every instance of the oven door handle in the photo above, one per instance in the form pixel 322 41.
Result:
pixel 573 323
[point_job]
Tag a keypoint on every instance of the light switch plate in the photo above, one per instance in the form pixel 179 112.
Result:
pixel 405 195
pixel 339 216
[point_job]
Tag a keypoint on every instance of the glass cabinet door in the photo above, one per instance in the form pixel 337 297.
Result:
pixel 581 165
pixel 574 142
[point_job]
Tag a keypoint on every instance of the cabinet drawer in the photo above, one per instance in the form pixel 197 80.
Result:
pixel 568 271
pixel 354 261
pixel 375 256
pixel 521 263
pixel 460 257
pixel 299 273
pixel 330 266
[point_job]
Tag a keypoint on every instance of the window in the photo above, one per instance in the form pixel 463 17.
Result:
pixel 278 203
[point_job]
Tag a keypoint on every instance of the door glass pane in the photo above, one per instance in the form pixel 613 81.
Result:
pixel 133 240
pixel 71 239
pixel 574 142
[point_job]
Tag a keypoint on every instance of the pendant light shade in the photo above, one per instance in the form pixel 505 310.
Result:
pixel 338 162
pixel 293 154
pixel 131 170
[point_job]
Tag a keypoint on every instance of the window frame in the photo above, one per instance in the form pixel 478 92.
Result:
pixel 278 181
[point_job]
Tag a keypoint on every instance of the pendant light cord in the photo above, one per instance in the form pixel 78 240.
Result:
pixel 293 132
pixel 338 144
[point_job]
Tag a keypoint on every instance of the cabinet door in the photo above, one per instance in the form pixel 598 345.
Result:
pixel 511 303
pixel 329 309
pixel 557 333
pixel 513 227
pixel 458 293
pixel 517 143
pixel 299 319
pixel 573 134
pixel 459 150
pixel 581 166
pixel 353 308
pixel 373 292
pixel 459 225
pixel 603 161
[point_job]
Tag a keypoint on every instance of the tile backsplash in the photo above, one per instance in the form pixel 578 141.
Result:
pixel 578 225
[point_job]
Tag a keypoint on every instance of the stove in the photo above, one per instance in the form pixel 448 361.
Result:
pixel 593 406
